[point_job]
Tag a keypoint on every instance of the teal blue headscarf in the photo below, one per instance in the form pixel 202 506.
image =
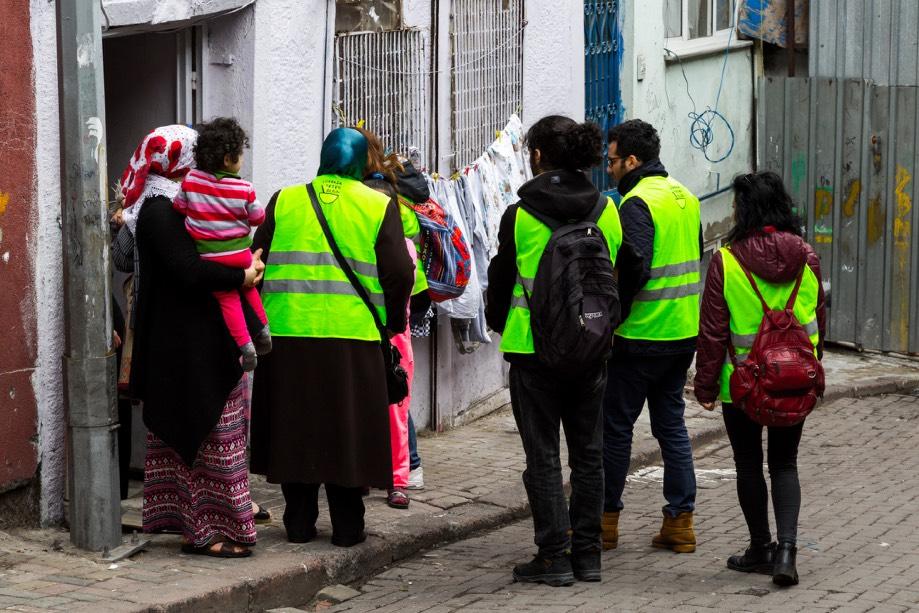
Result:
pixel 344 152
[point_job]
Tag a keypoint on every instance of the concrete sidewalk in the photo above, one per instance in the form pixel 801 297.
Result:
pixel 473 483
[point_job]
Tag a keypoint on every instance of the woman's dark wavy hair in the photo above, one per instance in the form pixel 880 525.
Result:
pixel 760 200
pixel 565 144
pixel 217 138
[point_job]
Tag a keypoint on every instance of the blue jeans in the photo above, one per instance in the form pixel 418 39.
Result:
pixel 660 380
pixel 414 460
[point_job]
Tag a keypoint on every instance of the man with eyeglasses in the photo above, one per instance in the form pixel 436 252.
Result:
pixel 655 344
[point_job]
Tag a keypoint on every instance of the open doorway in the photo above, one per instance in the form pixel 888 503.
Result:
pixel 150 81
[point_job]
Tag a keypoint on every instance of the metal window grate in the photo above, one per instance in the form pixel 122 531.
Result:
pixel 487 72
pixel 383 78
pixel 602 40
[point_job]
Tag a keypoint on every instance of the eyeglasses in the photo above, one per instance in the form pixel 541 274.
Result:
pixel 610 161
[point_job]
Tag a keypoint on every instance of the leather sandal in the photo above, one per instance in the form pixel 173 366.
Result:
pixel 223 549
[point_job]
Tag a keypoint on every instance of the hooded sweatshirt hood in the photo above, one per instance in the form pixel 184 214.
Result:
pixel 564 195
pixel 411 184
pixel 774 256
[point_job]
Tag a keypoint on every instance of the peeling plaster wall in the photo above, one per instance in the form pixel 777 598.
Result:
pixel 288 92
pixel 553 59
pixel 45 250
pixel 660 98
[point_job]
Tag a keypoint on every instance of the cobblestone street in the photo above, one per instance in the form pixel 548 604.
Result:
pixel 857 539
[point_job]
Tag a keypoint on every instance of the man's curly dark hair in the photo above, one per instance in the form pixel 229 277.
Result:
pixel 217 138
pixel 636 137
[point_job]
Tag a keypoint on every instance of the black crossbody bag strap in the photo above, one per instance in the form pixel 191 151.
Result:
pixel 343 263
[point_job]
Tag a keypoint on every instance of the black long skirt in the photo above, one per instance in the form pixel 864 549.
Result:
pixel 320 414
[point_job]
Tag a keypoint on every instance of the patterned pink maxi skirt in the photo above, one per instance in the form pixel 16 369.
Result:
pixel 209 501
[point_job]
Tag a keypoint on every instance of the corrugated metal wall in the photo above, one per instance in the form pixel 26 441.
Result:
pixel 847 150
pixel 865 39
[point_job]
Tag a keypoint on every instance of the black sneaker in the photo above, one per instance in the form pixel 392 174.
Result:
pixel 555 571
pixel 586 565
pixel 756 559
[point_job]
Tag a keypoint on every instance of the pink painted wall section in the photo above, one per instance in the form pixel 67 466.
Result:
pixel 18 428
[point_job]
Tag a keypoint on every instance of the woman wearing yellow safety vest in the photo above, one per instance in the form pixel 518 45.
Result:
pixel 319 409
pixel 560 149
pixel 766 241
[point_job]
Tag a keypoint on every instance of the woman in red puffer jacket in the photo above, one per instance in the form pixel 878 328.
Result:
pixel 766 240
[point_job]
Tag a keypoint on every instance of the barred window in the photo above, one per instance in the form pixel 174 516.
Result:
pixel 383 78
pixel 487 72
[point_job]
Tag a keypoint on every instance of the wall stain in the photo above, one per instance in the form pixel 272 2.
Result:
pixel 4 200
pixel 823 201
pixel 901 223
pixel 876 153
pixel 902 231
pixel 853 192
pixel 798 173
pixel 875 219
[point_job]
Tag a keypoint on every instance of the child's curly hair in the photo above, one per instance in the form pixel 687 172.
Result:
pixel 217 138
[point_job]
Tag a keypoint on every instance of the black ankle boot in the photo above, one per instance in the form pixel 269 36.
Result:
pixel 785 572
pixel 756 559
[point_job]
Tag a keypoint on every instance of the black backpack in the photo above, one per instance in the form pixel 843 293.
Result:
pixel 574 307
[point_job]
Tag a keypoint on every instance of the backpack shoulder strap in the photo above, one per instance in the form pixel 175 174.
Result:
pixel 762 301
pixel 597 212
pixel 794 293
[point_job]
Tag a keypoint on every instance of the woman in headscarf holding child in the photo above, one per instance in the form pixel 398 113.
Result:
pixel 186 366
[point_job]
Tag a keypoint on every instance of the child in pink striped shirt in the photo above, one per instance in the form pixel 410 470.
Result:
pixel 220 210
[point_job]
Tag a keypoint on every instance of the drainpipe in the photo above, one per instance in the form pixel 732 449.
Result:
pixel 89 361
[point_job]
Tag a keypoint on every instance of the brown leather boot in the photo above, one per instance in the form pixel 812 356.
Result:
pixel 609 525
pixel 676 534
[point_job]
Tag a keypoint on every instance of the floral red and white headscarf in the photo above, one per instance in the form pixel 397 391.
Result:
pixel 165 154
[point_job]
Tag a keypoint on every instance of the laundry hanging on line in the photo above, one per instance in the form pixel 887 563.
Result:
pixel 477 197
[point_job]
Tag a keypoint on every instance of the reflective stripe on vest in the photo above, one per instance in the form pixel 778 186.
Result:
pixel 667 307
pixel 531 237
pixel 412 230
pixel 747 312
pixel 305 292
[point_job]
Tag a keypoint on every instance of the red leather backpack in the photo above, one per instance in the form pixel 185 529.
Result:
pixel 780 380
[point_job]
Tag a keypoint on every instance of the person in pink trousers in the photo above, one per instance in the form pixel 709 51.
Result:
pixel 381 175
pixel 398 416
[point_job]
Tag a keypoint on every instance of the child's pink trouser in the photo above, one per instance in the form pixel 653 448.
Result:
pixel 231 301
pixel 398 415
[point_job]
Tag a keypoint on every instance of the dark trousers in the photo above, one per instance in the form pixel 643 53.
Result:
pixel 660 380
pixel 346 508
pixel 414 460
pixel 747 442
pixel 541 403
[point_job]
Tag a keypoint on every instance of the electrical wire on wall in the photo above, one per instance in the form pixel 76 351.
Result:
pixel 702 133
